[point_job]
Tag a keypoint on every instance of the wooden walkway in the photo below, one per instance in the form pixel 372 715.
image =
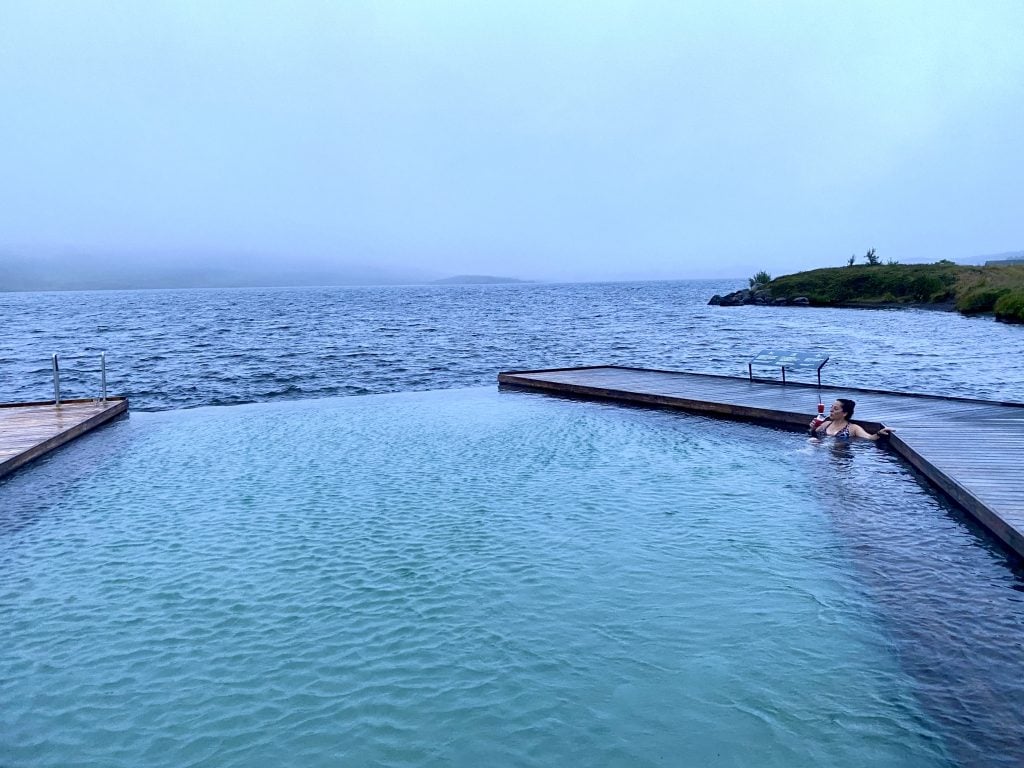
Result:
pixel 971 449
pixel 30 430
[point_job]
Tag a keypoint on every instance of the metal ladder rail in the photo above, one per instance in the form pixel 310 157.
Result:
pixel 55 360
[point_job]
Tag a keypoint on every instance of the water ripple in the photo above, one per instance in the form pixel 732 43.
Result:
pixel 181 349
pixel 453 577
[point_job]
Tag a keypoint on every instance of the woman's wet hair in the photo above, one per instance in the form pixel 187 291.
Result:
pixel 848 406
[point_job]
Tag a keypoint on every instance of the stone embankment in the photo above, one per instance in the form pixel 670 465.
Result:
pixel 756 296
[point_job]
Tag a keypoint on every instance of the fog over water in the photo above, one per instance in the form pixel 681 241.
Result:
pixel 312 141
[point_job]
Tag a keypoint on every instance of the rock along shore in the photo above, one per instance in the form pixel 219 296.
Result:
pixel 755 296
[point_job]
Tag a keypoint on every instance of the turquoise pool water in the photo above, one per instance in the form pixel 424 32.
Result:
pixel 448 578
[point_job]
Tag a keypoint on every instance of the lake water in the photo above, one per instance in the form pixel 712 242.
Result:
pixel 177 349
pixel 468 576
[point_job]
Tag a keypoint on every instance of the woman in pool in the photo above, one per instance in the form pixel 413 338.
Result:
pixel 838 424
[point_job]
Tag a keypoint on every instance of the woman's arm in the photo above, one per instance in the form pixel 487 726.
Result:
pixel 856 430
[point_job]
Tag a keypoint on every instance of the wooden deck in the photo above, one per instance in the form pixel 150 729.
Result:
pixel 971 449
pixel 31 430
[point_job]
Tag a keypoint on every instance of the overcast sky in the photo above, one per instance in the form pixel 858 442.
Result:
pixel 545 140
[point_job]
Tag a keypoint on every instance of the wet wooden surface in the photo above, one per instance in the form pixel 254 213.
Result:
pixel 971 449
pixel 31 430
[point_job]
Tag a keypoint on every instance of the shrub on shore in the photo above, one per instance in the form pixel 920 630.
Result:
pixel 1010 307
pixel 869 284
pixel 974 301
pixel 761 278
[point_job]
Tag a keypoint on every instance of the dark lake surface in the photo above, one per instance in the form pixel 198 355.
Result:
pixel 186 348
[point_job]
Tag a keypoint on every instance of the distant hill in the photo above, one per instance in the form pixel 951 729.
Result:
pixel 477 280
pixel 66 272
pixel 1003 259
pixel 994 259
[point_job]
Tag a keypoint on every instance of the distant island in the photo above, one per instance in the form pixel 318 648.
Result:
pixel 60 271
pixel 476 280
pixel 970 290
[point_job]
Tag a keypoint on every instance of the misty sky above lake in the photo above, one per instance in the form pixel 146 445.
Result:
pixel 553 141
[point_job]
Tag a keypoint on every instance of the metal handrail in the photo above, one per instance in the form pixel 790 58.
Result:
pixel 56 381
pixel 788 360
pixel 55 360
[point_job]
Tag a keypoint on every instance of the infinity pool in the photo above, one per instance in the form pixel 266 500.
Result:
pixel 493 578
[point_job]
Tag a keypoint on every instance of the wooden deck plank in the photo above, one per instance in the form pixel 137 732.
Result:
pixel 971 449
pixel 31 430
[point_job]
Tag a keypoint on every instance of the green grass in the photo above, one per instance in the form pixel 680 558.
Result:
pixel 1010 307
pixel 973 289
pixel 868 284
pixel 978 299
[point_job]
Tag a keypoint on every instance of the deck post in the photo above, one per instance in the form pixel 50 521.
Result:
pixel 103 375
pixel 56 381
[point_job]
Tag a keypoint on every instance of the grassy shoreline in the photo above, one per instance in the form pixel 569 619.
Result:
pixel 944 286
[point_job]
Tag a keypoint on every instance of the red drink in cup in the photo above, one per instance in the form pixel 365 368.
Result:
pixel 819 417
